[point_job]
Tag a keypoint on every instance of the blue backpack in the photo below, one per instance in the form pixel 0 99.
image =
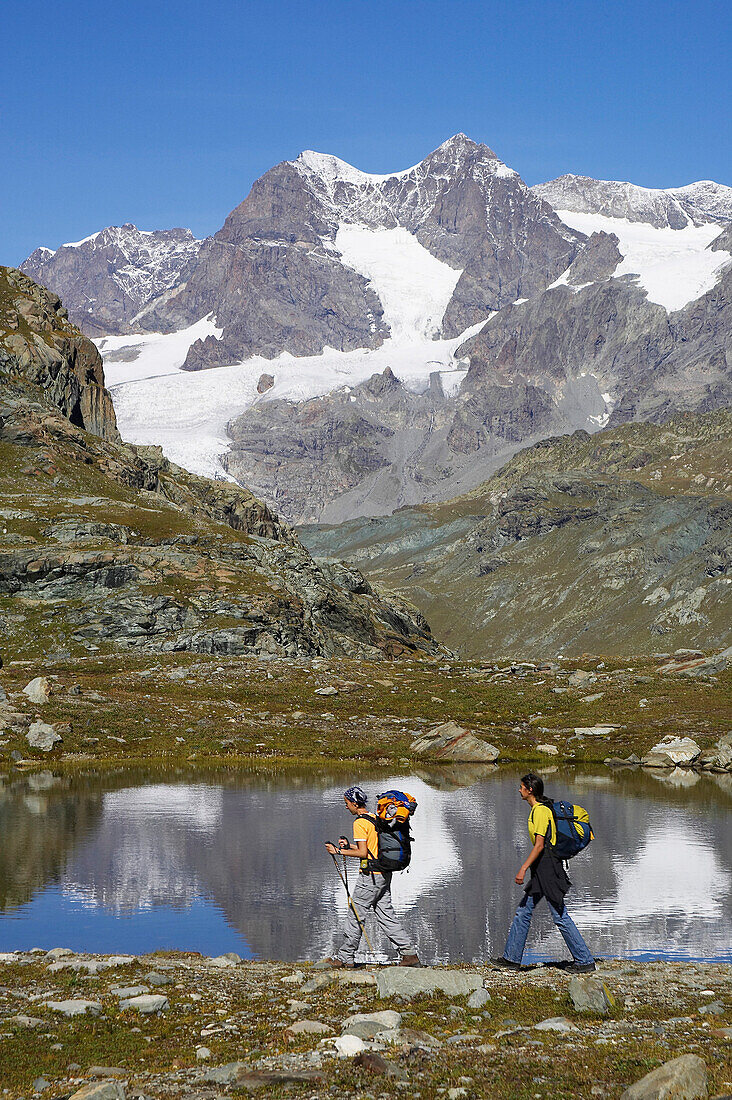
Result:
pixel 574 831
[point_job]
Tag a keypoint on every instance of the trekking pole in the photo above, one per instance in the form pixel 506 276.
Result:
pixel 351 906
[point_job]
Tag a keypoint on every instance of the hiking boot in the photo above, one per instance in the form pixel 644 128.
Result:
pixel 581 968
pixel 338 964
pixel 409 960
pixel 505 964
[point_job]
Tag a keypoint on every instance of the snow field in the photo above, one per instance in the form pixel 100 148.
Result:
pixel 413 286
pixel 674 266
pixel 159 354
pixel 186 412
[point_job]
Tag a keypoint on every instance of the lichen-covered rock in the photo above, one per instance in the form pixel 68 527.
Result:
pixel 146 1003
pixel 38 690
pixel 452 742
pixel 718 757
pixel 408 982
pixel 75 1007
pixel 101 1090
pixel 590 995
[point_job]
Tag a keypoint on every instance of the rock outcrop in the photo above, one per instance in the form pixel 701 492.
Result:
pixel 650 363
pixel 40 346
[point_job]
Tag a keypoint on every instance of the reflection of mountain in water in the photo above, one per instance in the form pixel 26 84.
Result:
pixel 674 881
pixel 146 834
pixel 659 876
pixel 40 821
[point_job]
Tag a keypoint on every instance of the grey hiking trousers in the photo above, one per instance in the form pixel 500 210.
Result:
pixel 372 894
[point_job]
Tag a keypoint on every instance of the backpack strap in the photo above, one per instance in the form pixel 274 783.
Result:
pixel 371 863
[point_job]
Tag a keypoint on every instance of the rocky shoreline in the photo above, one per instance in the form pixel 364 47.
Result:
pixel 101 1027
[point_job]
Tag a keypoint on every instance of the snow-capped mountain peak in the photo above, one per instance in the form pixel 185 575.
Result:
pixel 331 168
pixel 453 158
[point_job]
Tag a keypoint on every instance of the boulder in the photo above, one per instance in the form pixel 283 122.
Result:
pixel 555 1023
pixel 100 1090
pixel 479 998
pixel 580 677
pixel 548 750
pixel 125 992
pixel 226 1074
pixel 308 1027
pixel 450 741
pixel 75 1007
pixel 590 995
pixel 156 979
pixel 376 1063
pixel 348 1046
pixel 672 752
pixel 683 1078
pixel 318 981
pixel 146 1004
pixel 402 981
pixel 225 961
pixel 356 977
pixel 38 690
pixel 368 1024
pixel 594 731
pixel 408 1037
pixel 42 736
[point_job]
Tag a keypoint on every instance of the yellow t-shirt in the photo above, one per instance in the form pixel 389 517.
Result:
pixel 541 823
pixel 363 829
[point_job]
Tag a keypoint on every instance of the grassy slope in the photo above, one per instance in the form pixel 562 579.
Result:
pixel 579 584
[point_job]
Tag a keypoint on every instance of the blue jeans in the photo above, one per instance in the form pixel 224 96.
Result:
pixel 519 931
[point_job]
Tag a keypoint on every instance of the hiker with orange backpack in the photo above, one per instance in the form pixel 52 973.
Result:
pixel 557 831
pixel 381 843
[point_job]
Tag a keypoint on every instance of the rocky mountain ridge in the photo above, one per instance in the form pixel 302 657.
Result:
pixel 613 306
pixel 40 346
pixel 671 208
pixel 276 280
pixel 104 545
pixel 109 279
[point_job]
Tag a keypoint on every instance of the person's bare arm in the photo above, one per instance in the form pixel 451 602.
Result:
pixel 532 858
pixel 358 849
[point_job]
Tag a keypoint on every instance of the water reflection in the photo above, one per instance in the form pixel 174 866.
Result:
pixel 236 862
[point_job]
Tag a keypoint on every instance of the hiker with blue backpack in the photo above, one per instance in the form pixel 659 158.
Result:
pixel 382 845
pixel 557 831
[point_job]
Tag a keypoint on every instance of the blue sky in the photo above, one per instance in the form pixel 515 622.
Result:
pixel 164 113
